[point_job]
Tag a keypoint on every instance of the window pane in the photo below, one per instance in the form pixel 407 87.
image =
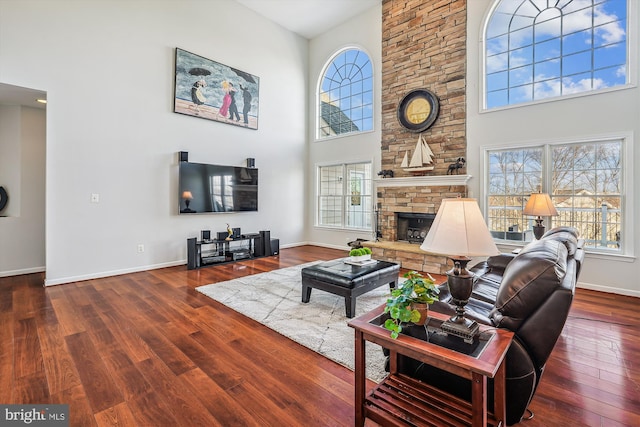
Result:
pixel 345 196
pixel 345 82
pixel 576 46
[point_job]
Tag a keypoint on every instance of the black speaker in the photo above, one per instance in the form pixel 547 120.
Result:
pixel 266 242
pixel 275 246
pixel 236 233
pixel 193 258
pixel 222 235
pixel 184 156
pixel 251 162
pixel 206 235
pixel 258 246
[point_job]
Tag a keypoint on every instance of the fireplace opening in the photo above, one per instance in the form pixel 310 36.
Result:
pixel 413 227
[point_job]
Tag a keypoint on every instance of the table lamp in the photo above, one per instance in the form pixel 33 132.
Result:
pixel 187 196
pixel 460 232
pixel 539 205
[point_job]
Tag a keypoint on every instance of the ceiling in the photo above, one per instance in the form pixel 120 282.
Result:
pixel 309 18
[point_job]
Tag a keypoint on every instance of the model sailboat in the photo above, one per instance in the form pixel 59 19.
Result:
pixel 420 160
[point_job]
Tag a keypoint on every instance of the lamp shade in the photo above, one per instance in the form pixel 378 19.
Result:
pixel 459 230
pixel 540 204
pixel 187 195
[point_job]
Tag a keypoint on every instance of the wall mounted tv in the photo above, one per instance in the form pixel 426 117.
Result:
pixel 208 188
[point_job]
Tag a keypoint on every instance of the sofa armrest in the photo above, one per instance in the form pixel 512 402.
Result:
pixel 500 261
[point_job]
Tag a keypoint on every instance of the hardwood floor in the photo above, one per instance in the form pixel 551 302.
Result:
pixel 147 349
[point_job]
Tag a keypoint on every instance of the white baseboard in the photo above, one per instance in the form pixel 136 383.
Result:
pixel 608 289
pixel 100 275
pixel 22 271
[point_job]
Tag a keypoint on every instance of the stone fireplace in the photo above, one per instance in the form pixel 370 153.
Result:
pixel 413 227
pixel 423 46
pixel 412 198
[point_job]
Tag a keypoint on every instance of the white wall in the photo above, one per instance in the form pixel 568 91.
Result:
pixel 108 69
pixel 364 32
pixel 612 113
pixel 22 155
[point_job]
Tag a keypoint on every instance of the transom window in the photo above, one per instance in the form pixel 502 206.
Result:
pixel 344 196
pixel 584 180
pixel 346 95
pixel 538 49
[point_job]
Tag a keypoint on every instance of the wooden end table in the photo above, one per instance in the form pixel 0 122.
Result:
pixel 401 400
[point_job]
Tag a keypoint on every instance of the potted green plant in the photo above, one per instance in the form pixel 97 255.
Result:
pixel 359 254
pixel 409 302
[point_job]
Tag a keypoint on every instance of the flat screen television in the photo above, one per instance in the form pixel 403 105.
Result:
pixel 205 188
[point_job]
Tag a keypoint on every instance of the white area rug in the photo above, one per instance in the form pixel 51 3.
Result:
pixel 275 300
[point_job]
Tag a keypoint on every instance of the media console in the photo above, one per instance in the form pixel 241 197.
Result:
pixel 201 253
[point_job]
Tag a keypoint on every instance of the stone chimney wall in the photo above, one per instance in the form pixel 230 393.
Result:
pixel 423 47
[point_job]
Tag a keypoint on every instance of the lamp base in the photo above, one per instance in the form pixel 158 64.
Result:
pixel 466 329
pixel 538 231
pixel 460 283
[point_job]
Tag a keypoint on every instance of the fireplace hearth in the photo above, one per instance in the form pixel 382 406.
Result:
pixel 413 227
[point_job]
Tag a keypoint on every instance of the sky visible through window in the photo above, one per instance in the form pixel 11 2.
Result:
pixel 346 94
pixel 538 49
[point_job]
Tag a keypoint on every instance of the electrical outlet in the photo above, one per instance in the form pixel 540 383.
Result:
pixel 140 248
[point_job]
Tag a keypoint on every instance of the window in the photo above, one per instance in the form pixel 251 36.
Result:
pixel 538 49
pixel 584 180
pixel 346 95
pixel 344 196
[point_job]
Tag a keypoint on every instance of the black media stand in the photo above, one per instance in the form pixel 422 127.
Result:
pixel 201 253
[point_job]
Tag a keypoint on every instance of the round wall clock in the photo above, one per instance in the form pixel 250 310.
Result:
pixel 418 110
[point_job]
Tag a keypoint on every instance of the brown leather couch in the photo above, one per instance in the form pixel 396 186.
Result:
pixel 529 293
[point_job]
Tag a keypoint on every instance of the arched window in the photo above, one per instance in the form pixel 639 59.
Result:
pixel 538 49
pixel 345 94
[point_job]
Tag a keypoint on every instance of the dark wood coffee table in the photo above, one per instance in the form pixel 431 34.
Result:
pixel 347 280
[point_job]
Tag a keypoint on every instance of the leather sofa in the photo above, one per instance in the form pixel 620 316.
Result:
pixel 529 293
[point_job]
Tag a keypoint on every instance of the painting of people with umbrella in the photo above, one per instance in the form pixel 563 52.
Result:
pixel 214 91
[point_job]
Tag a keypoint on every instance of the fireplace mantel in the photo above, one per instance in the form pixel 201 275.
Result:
pixel 422 181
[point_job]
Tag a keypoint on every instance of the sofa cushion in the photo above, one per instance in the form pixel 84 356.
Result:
pixel 529 279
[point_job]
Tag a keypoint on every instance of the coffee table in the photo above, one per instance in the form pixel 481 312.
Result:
pixel 347 280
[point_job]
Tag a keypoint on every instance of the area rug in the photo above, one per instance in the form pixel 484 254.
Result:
pixel 274 299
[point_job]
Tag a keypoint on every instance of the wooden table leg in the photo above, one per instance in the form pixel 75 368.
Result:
pixel 499 395
pixel 360 376
pixel 478 400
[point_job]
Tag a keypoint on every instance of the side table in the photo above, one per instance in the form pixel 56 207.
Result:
pixel 402 400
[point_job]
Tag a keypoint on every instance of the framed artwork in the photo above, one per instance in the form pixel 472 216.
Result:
pixel 214 91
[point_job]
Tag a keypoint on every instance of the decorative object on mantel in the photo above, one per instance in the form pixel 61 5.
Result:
pixel 418 110
pixel 459 231
pixel 539 205
pixel 386 173
pixel 4 198
pixel 459 164
pixel 421 159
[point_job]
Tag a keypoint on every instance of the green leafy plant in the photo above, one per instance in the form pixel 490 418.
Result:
pixel 359 252
pixel 416 289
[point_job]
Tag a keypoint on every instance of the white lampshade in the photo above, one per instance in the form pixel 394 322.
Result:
pixel 540 204
pixel 459 230
pixel 187 195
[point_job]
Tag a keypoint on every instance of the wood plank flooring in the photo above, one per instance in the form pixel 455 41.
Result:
pixel 146 349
